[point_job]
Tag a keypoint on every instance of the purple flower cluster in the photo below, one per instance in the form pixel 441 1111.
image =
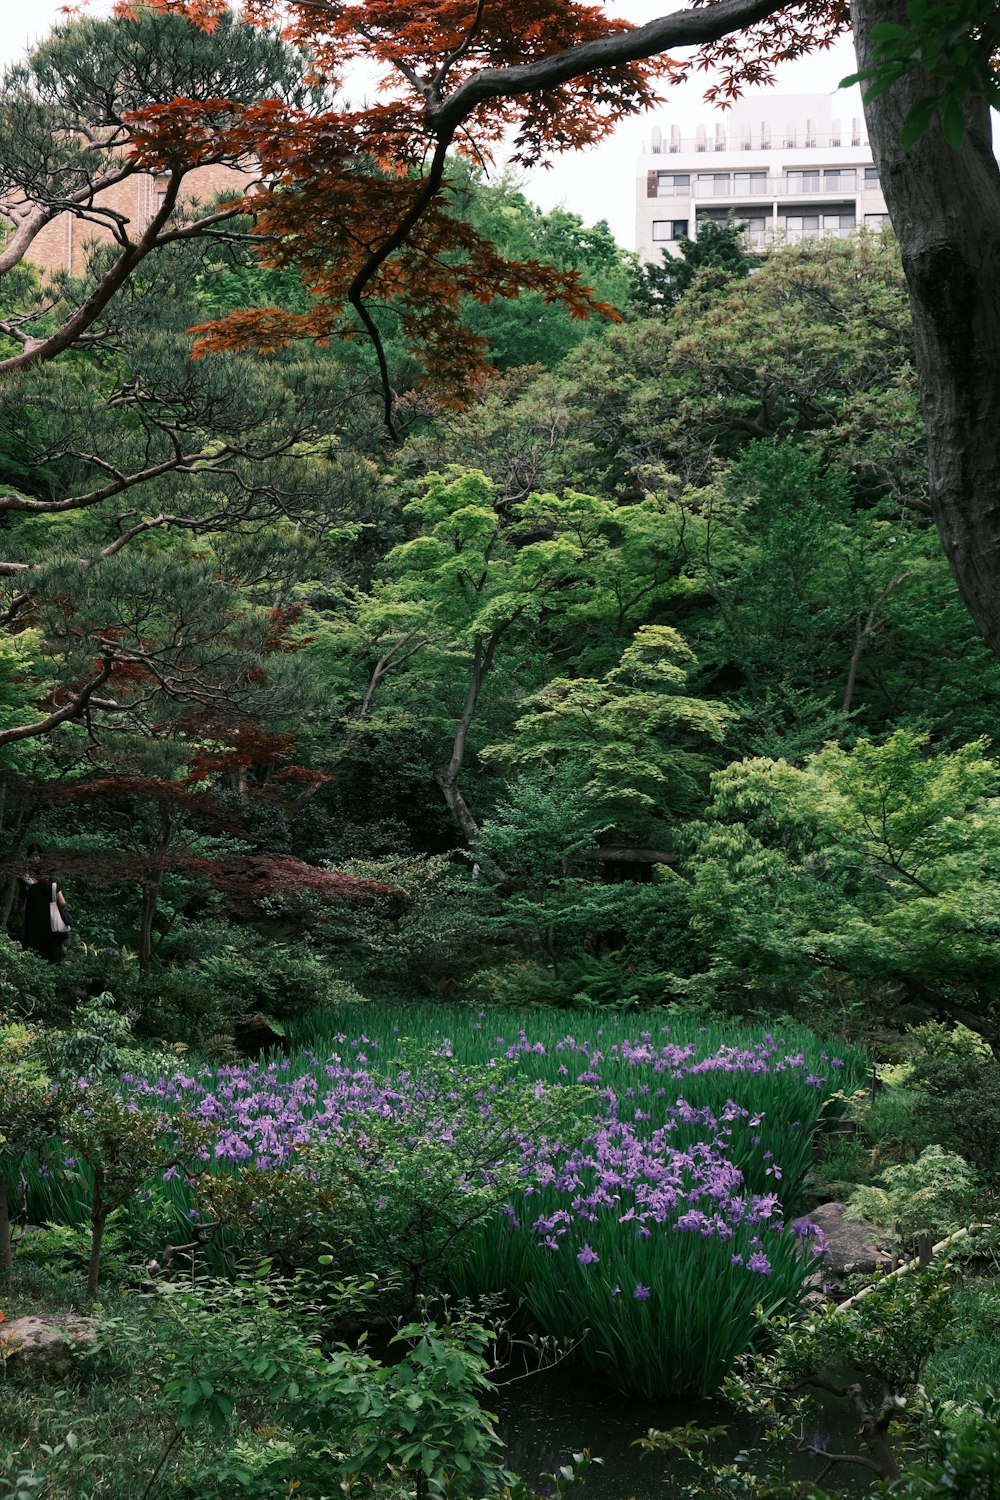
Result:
pixel 646 1185
pixel 654 1163
pixel 265 1111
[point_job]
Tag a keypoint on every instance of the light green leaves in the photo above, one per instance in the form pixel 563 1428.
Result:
pixel 876 863
pixel 637 737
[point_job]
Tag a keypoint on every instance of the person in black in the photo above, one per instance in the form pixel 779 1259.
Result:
pixel 40 890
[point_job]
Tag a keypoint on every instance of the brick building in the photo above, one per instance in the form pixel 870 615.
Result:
pixel 66 241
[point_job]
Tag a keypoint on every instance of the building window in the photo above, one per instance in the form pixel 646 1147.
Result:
pixel 670 184
pixel 871 176
pixel 755 233
pixel 749 183
pixel 669 229
pixel 713 184
pixel 819 226
pixel 803 182
pixel 876 221
pixel 839 181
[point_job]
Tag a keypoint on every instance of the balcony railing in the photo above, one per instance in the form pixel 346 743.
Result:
pixel 740 187
pixel 796 236
pixel 810 185
pixel 765 239
pixel 851 135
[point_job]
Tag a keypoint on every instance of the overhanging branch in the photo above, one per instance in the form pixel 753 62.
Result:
pixel 683 28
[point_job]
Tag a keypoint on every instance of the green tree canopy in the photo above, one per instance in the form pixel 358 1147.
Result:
pixel 877 863
pixel 719 250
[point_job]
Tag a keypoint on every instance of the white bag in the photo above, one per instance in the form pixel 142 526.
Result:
pixel 56 922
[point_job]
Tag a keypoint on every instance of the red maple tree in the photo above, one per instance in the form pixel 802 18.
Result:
pixel 359 202
pixel 256 766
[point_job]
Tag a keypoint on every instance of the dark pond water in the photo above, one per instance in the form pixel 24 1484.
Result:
pixel 545 1418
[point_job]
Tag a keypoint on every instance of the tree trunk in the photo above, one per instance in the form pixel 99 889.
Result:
pixel 459 809
pixel 98 1218
pixel 945 208
pixel 447 777
pixel 6 1251
pixel 9 896
pixel 10 889
pixel 876 1440
pixel 150 896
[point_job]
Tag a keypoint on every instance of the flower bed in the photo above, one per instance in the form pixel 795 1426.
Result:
pixel 652 1232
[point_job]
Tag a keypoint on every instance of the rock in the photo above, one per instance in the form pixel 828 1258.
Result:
pixel 22 1231
pixel 851 1244
pixel 45 1347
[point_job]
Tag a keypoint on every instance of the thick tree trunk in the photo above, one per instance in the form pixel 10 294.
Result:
pixel 945 208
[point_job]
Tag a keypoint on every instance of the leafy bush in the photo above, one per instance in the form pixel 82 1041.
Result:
pixel 964 1103
pixel 964 1462
pixel 790 881
pixel 920 1200
pixel 589 944
pixel 223 1388
pixel 427 937
pixel 898 1121
pixel 28 985
pixel 210 976
pixel 935 1039
pixel 869 1354
pixel 969 1358
pixel 238 1372
pixel 845 1161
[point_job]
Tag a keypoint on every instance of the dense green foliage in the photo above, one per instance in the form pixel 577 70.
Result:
pixel 531 637
pixel 719 246
pixel 626 708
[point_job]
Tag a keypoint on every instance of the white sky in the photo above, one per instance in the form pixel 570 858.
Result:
pixel 596 184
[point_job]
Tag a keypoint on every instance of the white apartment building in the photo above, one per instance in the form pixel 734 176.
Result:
pixel 792 167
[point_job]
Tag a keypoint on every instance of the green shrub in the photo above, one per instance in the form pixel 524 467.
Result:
pixel 868 1355
pixel 28 986
pixel 898 1120
pixel 210 976
pixel 970 1357
pixel 935 1039
pixel 254 1407
pixel 427 937
pixel 523 983
pixel 964 1104
pixel 920 1200
pixel 845 1161
pixel 966 1456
